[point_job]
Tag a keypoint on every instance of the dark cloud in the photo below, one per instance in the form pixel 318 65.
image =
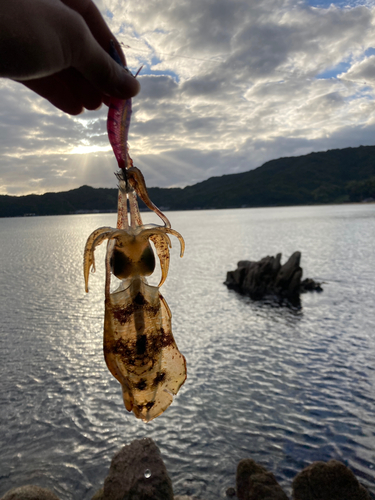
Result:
pixel 157 87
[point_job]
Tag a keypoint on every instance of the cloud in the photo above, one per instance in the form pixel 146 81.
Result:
pixel 362 72
pixel 225 87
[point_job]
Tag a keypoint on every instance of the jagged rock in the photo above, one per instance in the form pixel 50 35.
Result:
pixel 268 278
pixel 328 481
pixel 254 482
pixel 29 492
pixel 137 472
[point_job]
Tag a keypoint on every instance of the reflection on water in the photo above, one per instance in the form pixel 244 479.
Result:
pixel 282 387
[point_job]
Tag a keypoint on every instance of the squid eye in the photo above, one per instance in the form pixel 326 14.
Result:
pixel 121 265
pixel 147 262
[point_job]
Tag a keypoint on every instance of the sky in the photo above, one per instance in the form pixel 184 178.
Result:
pixel 226 85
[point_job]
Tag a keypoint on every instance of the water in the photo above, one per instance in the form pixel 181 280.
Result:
pixel 280 386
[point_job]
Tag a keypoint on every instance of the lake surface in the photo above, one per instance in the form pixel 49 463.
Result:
pixel 280 386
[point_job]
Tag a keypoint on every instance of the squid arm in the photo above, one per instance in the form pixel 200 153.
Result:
pixel 95 239
pixel 162 243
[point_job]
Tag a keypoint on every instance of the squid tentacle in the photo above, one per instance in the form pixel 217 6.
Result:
pixel 137 180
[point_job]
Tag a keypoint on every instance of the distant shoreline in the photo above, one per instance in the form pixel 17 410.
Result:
pixel 326 178
pixel 97 212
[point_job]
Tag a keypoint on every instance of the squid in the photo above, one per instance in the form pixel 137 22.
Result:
pixel 139 347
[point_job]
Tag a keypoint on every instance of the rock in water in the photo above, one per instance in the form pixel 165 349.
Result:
pixel 309 285
pixel 328 481
pixel 254 482
pixel 138 472
pixel 268 278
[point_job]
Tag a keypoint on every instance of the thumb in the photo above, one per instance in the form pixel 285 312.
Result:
pixel 97 66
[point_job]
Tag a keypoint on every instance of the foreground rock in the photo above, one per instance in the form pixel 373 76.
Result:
pixel 328 481
pixel 29 492
pixel 268 278
pixel 137 472
pixel 254 482
pixel 319 481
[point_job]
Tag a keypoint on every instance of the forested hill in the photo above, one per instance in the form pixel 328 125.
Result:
pixel 336 176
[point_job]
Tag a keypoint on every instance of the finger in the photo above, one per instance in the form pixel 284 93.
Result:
pixel 93 62
pixel 98 27
pixel 79 6
pixel 89 96
pixel 100 30
pixel 90 44
pixel 57 93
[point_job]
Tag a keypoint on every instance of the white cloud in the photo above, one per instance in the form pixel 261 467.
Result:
pixel 225 87
pixel 361 72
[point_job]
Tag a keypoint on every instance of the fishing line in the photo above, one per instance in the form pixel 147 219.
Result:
pixel 212 60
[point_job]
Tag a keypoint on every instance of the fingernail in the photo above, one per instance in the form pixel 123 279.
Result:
pixel 130 85
pixel 128 71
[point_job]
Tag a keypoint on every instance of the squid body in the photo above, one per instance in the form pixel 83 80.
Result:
pixel 139 347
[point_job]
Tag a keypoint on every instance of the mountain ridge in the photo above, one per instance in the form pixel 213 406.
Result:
pixel 333 176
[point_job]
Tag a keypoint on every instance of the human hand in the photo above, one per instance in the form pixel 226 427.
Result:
pixel 58 49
